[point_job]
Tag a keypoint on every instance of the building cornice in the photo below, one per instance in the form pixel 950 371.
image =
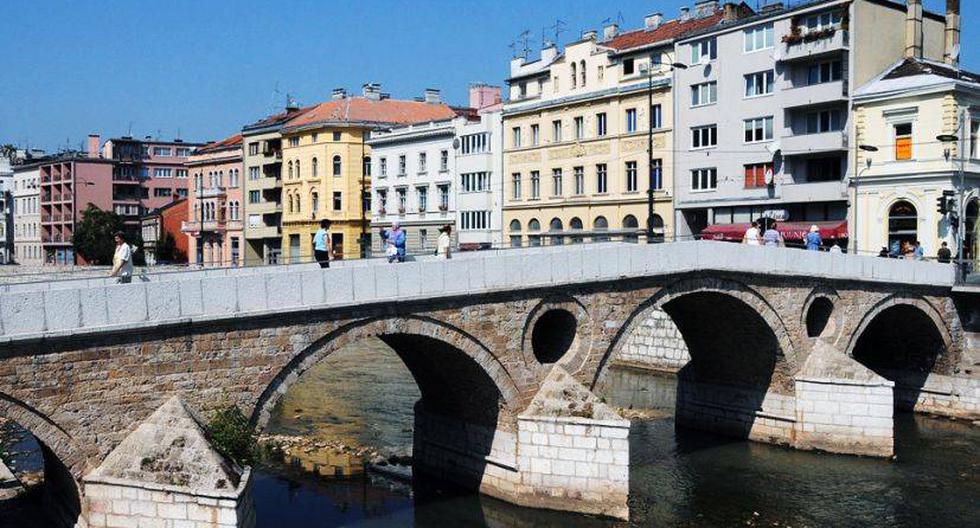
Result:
pixel 518 108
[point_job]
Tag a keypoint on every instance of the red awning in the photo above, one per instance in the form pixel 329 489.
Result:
pixel 790 230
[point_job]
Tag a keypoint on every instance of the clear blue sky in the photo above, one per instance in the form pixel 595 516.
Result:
pixel 208 67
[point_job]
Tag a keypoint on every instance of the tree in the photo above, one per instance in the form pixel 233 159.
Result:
pixel 93 237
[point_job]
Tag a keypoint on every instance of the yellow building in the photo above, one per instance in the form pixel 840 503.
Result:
pixel 326 168
pixel 577 128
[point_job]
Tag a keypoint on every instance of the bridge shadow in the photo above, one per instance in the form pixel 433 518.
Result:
pixel 49 494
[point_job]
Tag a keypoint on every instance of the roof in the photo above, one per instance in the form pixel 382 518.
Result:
pixel 162 208
pixel 228 142
pixel 170 448
pixel 909 75
pixel 667 31
pixel 381 111
pixel 279 118
pixel 911 67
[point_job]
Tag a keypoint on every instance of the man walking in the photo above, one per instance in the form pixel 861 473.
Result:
pixel 122 260
pixel 321 244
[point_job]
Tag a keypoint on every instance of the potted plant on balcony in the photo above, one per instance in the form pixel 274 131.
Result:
pixel 401 209
pixel 443 207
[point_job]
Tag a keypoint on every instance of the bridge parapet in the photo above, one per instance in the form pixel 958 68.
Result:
pixel 194 297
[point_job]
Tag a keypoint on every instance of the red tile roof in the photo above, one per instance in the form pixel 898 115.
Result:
pixel 671 29
pixel 383 111
pixel 229 142
pixel 280 118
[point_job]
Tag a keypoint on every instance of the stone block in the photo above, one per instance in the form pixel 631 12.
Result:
pixel 338 285
pixel 536 270
pixel 285 290
pixel 407 277
pixel 366 288
pixel 220 295
pixel 191 298
pixel 63 309
pixel 251 293
pixel 162 301
pixel 121 521
pixel 126 303
pixel 22 312
pixel 174 510
pixel 435 275
pixel 475 273
pixel 311 288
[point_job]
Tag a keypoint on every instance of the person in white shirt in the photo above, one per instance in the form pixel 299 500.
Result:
pixel 752 235
pixel 122 260
pixel 444 242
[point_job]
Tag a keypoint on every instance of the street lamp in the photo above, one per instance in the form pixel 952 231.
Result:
pixel 650 188
pixel 854 182
pixel 960 220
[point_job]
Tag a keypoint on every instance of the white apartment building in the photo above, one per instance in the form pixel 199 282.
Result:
pixel 479 180
pixel 27 216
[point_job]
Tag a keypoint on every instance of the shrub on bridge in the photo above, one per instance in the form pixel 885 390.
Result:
pixel 232 435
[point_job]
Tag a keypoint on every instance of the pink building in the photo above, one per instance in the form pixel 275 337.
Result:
pixel 158 166
pixel 214 223
pixel 69 182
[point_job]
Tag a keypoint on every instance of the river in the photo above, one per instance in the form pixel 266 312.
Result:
pixel 364 396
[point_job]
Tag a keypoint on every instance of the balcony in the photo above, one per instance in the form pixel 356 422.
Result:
pixel 805 144
pixel 811 47
pixel 815 94
pixel 233 225
pixel 211 192
pixel 263 231
pixel 207 225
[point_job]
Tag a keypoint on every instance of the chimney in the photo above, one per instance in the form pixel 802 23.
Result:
pixel 685 13
pixel 653 20
pixel 371 91
pixel 338 93
pixel 704 8
pixel 93 145
pixel 913 30
pixel 483 95
pixel 951 51
pixel 589 34
pixel 431 96
pixel 610 31
pixel 771 7
pixel 731 12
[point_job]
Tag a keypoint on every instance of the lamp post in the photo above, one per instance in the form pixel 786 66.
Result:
pixel 854 182
pixel 650 188
pixel 960 207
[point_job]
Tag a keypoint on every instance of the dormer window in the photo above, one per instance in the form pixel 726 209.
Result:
pixel 628 67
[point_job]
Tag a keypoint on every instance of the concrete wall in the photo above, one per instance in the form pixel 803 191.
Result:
pixel 845 416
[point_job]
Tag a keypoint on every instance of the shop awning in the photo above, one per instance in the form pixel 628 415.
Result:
pixel 791 231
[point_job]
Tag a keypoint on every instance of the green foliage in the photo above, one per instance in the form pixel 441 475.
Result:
pixel 232 435
pixel 93 236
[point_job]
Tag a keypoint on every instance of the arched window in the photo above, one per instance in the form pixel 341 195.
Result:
pixel 970 244
pixel 299 204
pixel 336 165
pixel 289 170
pixel 367 165
pixel 515 226
pixel 298 173
pixel 574 75
pixel 581 71
pixel 534 225
pixel 291 203
pixel 515 233
pixel 221 178
pixel 556 226
pixel 575 224
pixel 314 167
pixel 315 199
pixel 630 224
pixel 903 223
pixel 600 224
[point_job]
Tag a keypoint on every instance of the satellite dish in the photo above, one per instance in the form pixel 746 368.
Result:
pixel 769 177
pixel 455 143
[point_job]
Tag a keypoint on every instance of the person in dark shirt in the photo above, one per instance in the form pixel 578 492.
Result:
pixel 884 253
pixel 944 255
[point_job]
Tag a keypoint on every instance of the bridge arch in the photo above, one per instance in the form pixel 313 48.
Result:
pixel 64 462
pixel 820 316
pixel 579 337
pixel 400 333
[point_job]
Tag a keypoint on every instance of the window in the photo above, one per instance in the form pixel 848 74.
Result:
pixel 974 135
pixel 631 120
pixel 755 175
pixel 657 174
pixel 602 72
pixel 903 141
pixel 473 220
pixel 337 165
pixel 704 179
pixel 315 136
pixel 423 238
pixel 336 136
pixel 298 173
pixel 758 129
pixel 294 141
pixel 161 151
pixel 162 173
pixel 401 165
pixel 656 116
pixel 556 182
pixel 515 229
pixel 628 66
pixel 338 201
pixel 233 178
pixel 253 173
pixel 535 134
pixel 600 124
pixel 556 131
pixel 903 225
pixel 601 179
pixel 823 72
pixel 760 83
pixel 367 165
pixel 579 127
pixel 703 137
pixel 402 199
pixel 631 176
pixel 182 152
pixel 383 167
pixel 574 70
pixel 423 196
pixel 474 181
pixel 422 162
pixel 535 185
pixel 316 167
pixel 382 200
pixel 182 193
pixel 253 149
pixel 704 51
pixel 315 200
pixel 443 161
pixel 579 180
pixel 823 121
pixel 475 143
pixel 444 197
pixel 824 169
pixel 821 21
pixel 758 38
pixel 182 173
pixel 704 93
pixel 581 71
pixel 162 191
pixel 516 137
pixel 522 90
pixel 516 186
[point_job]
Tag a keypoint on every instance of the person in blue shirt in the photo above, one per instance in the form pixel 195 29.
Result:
pixel 920 252
pixel 321 244
pixel 395 238
pixel 813 240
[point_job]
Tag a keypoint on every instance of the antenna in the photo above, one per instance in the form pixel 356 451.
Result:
pixel 178 133
pixel 129 131
pixel 619 19
pixel 274 101
pixel 523 39
pixel 558 27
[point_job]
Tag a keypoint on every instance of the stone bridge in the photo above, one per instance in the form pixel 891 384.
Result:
pixel 808 350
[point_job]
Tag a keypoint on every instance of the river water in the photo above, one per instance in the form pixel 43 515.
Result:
pixel 364 396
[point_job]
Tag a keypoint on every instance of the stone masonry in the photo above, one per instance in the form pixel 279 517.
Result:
pixel 656 344
pixel 83 368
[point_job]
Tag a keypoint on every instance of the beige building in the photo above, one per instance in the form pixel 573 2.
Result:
pixel 901 113
pixel 326 168
pixel 576 133
pixel 214 223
